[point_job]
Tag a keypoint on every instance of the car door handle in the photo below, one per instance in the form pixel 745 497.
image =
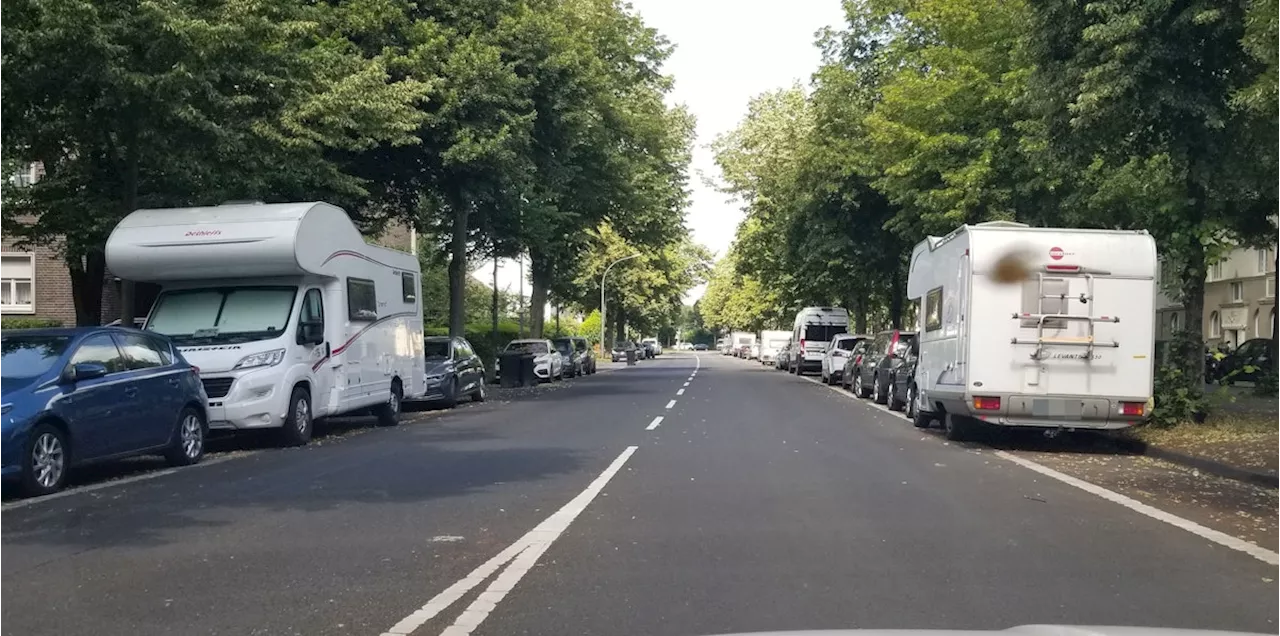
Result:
pixel 174 382
pixel 131 391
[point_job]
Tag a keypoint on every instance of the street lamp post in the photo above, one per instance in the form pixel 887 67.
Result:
pixel 603 322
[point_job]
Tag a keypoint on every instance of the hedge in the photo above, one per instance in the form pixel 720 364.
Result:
pixel 480 337
pixel 27 322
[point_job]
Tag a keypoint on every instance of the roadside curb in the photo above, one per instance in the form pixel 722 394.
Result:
pixel 1204 464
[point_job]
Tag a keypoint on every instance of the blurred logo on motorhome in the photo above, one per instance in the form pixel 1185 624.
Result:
pixel 203 233
pixel 1056 253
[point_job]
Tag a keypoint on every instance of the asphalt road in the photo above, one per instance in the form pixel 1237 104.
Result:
pixel 760 501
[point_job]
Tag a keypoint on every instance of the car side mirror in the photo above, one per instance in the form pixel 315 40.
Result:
pixel 82 371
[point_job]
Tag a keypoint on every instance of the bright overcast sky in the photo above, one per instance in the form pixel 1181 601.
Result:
pixel 726 52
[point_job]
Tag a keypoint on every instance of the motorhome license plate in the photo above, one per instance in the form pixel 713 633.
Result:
pixel 1059 408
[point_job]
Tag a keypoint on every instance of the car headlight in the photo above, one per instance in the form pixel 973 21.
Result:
pixel 264 359
pixel 435 377
pixel 5 408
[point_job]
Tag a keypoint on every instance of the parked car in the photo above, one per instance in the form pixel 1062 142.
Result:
pixel 73 396
pixel 649 349
pixel 586 353
pixel 836 354
pixel 572 359
pixel 700 347
pixel 654 345
pixel 902 389
pixel 783 360
pixel 882 358
pixel 548 364
pixel 620 350
pixel 454 371
pixel 1244 364
pixel 852 362
pixel 754 353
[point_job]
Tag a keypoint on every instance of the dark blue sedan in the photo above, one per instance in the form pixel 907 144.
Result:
pixel 74 396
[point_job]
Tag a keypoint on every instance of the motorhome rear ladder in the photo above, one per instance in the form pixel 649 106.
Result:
pixel 1089 341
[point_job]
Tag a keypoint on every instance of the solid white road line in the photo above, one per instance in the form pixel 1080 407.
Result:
pixel 540 539
pixel 680 392
pixel 671 403
pixel 23 503
pixel 654 424
pixel 522 554
pixel 1256 551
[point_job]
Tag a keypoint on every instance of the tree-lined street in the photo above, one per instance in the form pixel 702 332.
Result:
pixel 758 501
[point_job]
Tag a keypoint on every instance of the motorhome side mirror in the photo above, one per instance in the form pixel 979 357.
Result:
pixel 310 333
pixel 82 371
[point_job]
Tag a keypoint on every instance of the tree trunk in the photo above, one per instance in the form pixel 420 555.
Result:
pixel 557 320
pixel 620 325
pixel 458 271
pixel 540 275
pixel 859 316
pixel 896 296
pixel 493 308
pixel 87 276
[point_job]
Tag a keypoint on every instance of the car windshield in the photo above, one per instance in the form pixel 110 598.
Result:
pixel 436 349
pixel 222 315
pixel 846 344
pixel 563 346
pixel 580 345
pixel 30 356
pixel 538 347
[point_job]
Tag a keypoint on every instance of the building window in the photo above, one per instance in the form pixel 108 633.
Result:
pixel 1215 325
pixel 1173 323
pixel 1237 292
pixel 1257 326
pixel 1215 271
pixel 1271 287
pixel 17 283
pixel 1262 261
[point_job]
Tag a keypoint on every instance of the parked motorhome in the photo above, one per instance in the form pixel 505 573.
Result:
pixel 741 342
pixel 1070 345
pixel 288 313
pixel 771 342
pixel 812 329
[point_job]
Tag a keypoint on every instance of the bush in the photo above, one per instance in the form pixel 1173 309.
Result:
pixel 1178 398
pixel 25 322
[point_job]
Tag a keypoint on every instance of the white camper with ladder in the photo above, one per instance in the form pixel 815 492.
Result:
pixel 1069 346
pixel 288 313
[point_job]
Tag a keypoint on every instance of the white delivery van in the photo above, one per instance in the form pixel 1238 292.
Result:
pixel 813 328
pixel 1071 346
pixel 288 313
pixel 771 342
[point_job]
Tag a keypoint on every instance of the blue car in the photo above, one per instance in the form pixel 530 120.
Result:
pixel 79 395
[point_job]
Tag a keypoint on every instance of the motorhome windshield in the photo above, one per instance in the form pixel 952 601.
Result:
pixel 223 315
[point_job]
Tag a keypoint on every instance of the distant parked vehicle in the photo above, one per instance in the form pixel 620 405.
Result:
pixel 654 346
pixel 454 371
pixel 586 353
pixel 852 362
pixel 548 364
pixel 1245 364
pixel 813 328
pixel 648 348
pixel 700 347
pixel 902 389
pixel 754 353
pixel 882 358
pixel 783 360
pixel 770 343
pixel 572 359
pixel 73 396
pixel 837 353
pixel 621 348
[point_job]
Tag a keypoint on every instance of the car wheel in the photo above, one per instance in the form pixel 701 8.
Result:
pixel 894 403
pixel 878 391
pixel 45 464
pixel 859 387
pixel 479 395
pixel 298 425
pixel 389 412
pixel 826 379
pixel 919 419
pixel 187 446
pixel 450 393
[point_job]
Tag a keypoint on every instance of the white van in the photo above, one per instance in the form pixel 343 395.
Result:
pixel 288 313
pixel 813 328
pixel 1071 346
pixel 741 342
pixel 771 342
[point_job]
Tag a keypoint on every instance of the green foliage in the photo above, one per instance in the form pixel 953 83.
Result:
pixel 24 322
pixel 590 327
pixel 1178 397
pixel 487 344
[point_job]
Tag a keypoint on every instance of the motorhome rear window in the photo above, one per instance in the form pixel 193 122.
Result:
pixel 362 299
pixel 822 333
pixel 409 287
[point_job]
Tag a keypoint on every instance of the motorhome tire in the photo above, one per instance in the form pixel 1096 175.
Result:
pixel 298 424
pixel 958 428
pixel 389 412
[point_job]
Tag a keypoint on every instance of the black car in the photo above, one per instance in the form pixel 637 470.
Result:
pixel 572 359
pixel 902 380
pixel 1244 364
pixel 620 350
pixel 878 363
pixel 699 347
pixel 586 353
pixel 454 371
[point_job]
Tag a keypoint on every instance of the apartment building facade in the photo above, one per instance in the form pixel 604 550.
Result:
pixel 1240 297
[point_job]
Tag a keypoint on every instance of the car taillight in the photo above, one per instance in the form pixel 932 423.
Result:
pixel 986 403
pixel 802 345
pixel 195 369
pixel 893 344
pixel 1135 409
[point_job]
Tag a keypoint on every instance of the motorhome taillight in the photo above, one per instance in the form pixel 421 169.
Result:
pixel 986 403
pixel 1135 409
pixel 1062 268
pixel 802 345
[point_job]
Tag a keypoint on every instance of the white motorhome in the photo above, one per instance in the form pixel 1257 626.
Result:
pixel 740 340
pixel 1069 346
pixel 288 313
pixel 771 342
pixel 813 328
